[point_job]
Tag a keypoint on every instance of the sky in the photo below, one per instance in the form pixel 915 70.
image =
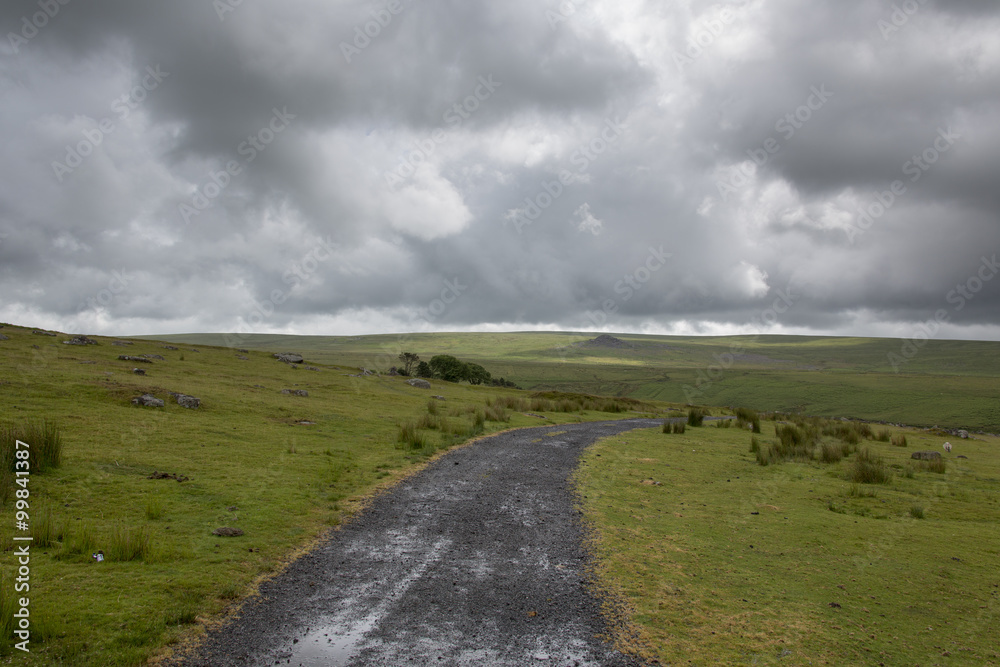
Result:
pixel 342 167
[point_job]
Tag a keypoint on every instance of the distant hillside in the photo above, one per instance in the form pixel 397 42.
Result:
pixel 944 382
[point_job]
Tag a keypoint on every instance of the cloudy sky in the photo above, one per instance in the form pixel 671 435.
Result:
pixel 344 167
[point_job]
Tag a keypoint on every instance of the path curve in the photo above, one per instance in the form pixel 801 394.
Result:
pixel 476 560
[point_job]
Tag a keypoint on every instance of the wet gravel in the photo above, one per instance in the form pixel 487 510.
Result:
pixel 476 560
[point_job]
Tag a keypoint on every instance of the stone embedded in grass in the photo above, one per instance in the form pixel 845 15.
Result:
pixel 925 456
pixel 186 401
pixel 226 531
pixel 2 337
pixel 139 371
pixel 153 356
pixel 80 340
pixel 168 475
pixel 139 360
pixel 418 383
pixel 295 392
pixel 43 333
pixel 121 343
pixel 289 357
pixel 148 401
pixel 170 347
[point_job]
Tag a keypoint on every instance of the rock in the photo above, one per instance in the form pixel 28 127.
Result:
pixel 80 340
pixel 393 372
pixel 149 401
pixel 226 531
pixel 121 343
pixel 189 402
pixel 440 398
pixel 925 456
pixel 170 347
pixel 964 435
pixel 168 475
pixel 139 360
pixel 194 350
pixel 962 456
pixel 289 358
pixel 312 368
pixel 418 383
pixel 244 351
pixel 2 337
pixel 295 392
pixel 153 356
pixel 42 333
pixel 242 358
pixel 139 371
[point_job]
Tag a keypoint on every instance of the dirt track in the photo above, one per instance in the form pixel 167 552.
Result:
pixel 476 560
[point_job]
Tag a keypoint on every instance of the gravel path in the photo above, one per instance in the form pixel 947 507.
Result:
pixel 476 560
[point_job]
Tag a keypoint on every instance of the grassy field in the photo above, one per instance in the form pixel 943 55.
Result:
pixel 947 383
pixel 725 561
pixel 281 468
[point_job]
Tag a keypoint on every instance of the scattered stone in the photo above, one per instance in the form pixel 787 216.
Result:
pixel 149 401
pixel 122 343
pixel 242 358
pixel 2 337
pixel 232 508
pixel 226 531
pixel 440 398
pixel 365 372
pixel 186 401
pixel 170 347
pixel 835 605
pixel 419 383
pixel 43 333
pixel 80 340
pixel 140 360
pixel 312 368
pixel 153 356
pixel 89 363
pixel 651 482
pixel 393 372
pixel 168 475
pixel 295 392
pixel 964 435
pixel 532 414
pixel 925 456
pixel 306 423
pixel 244 351
pixel 191 349
pixel 139 371
pixel 289 358
pixel 962 456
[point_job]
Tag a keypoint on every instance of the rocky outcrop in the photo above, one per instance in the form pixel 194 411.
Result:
pixel 925 456
pixel 80 340
pixel 419 383
pixel 149 401
pixel 295 392
pixel 289 357
pixel 186 401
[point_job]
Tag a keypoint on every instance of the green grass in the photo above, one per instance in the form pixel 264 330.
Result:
pixel 732 563
pixel 949 383
pixel 281 468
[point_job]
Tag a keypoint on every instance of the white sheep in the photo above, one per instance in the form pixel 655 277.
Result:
pixel 947 447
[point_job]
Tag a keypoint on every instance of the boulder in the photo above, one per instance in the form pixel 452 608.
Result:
pixel 139 360
pixel 42 333
pixel 186 401
pixel 226 531
pixel 80 340
pixel 295 392
pixel 2 337
pixel 149 401
pixel 153 356
pixel 419 383
pixel 122 343
pixel 289 357
pixel 170 347
pixel 242 358
pixel 139 371
pixel 925 456
pixel 964 435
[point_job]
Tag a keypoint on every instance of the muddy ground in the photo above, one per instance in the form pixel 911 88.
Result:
pixel 477 560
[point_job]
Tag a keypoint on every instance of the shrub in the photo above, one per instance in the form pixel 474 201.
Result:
pixel 869 468
pixel 831 453
pixel 899 441
pixel 745 416
pixel 884 435
pixel 865 430
pixel 674 427
pixel 917 512
pixel 695 417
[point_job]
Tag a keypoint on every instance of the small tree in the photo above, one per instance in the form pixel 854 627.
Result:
pixel 476 374
pixel 448 368
pixel 424 370
pixel 409 361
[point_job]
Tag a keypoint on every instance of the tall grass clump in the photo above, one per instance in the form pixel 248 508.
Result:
pixel 754 444
pixel 127 544
pixel 154 508
pixel 7 610
pixel 432 406
pixel 695 417
pixel 746 417
pixel 938 466
pixel 496 413
pixel 410 437
pixel 869 468
pixel 80 540
pixel 883 435
pixel 674 427
pixel 899 441
pixel 43 528
pixel 44 445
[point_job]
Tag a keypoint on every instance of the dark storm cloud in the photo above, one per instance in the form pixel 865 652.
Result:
pixel 346 167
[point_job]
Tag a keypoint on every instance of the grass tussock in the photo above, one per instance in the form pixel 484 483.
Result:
pixel 127 544
pixel 917 512
pixel 938 466
pixel 869 468
pixel 899 441
pixel 883 435
pixel 748 418
pixel 44 445
pixel 410 437
pixel 695 417
pixel 674 427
